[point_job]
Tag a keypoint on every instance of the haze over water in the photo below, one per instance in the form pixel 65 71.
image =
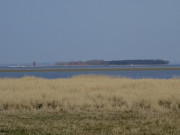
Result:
pixel 160 74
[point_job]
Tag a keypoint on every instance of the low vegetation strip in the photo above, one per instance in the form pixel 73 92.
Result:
pixel 89 69
pixel 89 105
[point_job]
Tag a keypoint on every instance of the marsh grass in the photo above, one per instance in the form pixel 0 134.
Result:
pixel 90 93
pixel 89 104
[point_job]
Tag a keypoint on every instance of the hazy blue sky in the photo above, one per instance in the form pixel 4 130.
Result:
pixel 65 30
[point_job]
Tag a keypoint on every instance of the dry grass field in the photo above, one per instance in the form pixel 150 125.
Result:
pixel 89 105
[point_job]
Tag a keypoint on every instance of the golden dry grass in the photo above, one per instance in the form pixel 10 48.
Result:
pixel 90 93
pixel 89 105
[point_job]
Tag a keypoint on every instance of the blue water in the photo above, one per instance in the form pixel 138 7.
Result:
pixel 161 74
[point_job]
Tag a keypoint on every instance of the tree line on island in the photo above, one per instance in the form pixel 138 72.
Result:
pixel 113 62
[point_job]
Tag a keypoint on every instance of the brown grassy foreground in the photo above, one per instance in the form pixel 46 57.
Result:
pixel 89 105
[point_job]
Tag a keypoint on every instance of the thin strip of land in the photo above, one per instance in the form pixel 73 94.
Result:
pixel 88 69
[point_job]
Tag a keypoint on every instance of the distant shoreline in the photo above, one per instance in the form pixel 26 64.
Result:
pixel 115 62
pixel 90 69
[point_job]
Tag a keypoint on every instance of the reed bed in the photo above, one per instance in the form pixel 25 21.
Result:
pixel 89 105
pixel 90 93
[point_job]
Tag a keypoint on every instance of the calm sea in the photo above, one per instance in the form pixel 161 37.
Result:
pixel 162 74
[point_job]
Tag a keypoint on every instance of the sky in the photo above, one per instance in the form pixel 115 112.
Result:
pixel 73 30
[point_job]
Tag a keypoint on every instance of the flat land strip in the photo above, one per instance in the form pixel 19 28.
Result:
pixel 89 105
pixel 88 69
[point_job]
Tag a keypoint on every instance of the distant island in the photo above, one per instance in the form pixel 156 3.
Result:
pixel 113 62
